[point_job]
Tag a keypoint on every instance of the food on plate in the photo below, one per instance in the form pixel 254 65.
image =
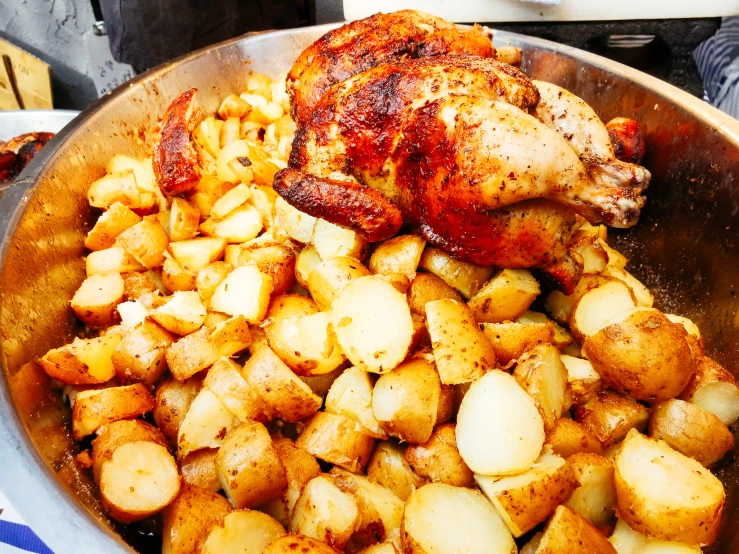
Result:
pixel 273 380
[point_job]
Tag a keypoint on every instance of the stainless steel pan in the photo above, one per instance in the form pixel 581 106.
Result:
pixel 685 247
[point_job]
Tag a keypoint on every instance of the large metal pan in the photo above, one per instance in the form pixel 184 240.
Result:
pixel 685 247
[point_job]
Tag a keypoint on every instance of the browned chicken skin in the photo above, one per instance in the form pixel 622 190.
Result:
pixel 627 139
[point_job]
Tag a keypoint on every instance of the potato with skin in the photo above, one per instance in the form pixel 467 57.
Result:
pixel 628 541
pixel 568 437
pixel 191 354
pixel 177 278
pixel 641 293
pixel 327 278
pixel 666 495
pixel 242 532
pixel 307 260
pixel 146 241
pixel 405 401
pixel 289 544
pixel 559 305
pixel 195 254
pixel 111 436
pixel 109 225
pixel 610 416
pixel 225 380
pixel 199 468
pixel 526 499
pixel 562 338
pixel 595 258
pixel 136 285
pixel 205 424
pixel 434 509
pixel 250 471
pixel 138 480
pixel 641 354
pixel 400 254
pixel 595 497
pixel 332 241
pixel 691 430
pixel 300 467
pixel 381 548
pixel 296 224
pixel 595 308
pixel 114 259
pixel 569 532
pixel 182 314
pixel 389 468
pixel 209 277
pixel 438 459
pixel 187 521
pixel 231 336
pixel 511 339
pixel 582 378
pixel 541 373
pixel 276 260
pixel 464 277
pixel 462 352
pixel 338 440
pixel 172 400
pixel 245 291
pixel 714 389
pixel 183 220
pixel 350 395
pixel 94 408
pixel 425 288
pixel 504 297
pixel 83 362
pixel 140 356
pixel 96 299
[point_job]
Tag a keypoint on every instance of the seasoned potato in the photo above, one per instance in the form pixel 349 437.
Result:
pixel 714 389
pixel 425 288
pixel 109 225
pixel 569 437
pixel 182 315
pixel 205 424
pixel 296 224
pixel 438 459
pixel 568 532
pixel 338 440
pixel 199 468
pixel 691 430
pixel 595 497
pixel 373 324
pixel 596 307
pixel 594 256
pixel 137 285
pixel 131 314
pixel 277 261
pixel 400 254
pixel 113 259
pixel 327 278
pixel 496 407
pixel 245 291
pixel 249 468
pixel 665 494
pixel 325 513
pixel 183 220
pixel 405 401
pixel 147 241
pixel 350 395
pixel 628 541
pixel 511 338
pixel 582 378
pixel 526 499
pixel 191 354
pixel 233 106
pixel 177 278
pixel 195 254
pixel 562 338
pixel 209 277
pixel 240 225
pixel 242 532
pixel 119 186
pixel 320 384
pixel 233 199
pixel 541 373
pixel 231 336
pixel 641 293
pixel 655 362
pixel 290 544
pixel 227 383
pixel 381 548
pixel 111 436
pixel 504 297
pixel 83 362
pixel 94 408
pixel 462 352
pixel 300 467
pixel 307 260
pixel 140 356
pixel 559 306
pixel 187 521
pixel 332 241
pixel 138 480
pixel 173 399
pixel 388 467
pixel 464 277
pixel 610 416
pixel 285 394
pixel 434 509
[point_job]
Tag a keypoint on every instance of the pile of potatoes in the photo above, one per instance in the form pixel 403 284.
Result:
pixel 266 381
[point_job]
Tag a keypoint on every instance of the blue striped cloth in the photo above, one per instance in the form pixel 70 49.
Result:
pixel 15 536
pixel 718 63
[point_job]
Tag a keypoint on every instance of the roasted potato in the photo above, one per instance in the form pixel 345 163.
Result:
pixel 183 220
pixel 199 468
pixel 115 434
pixel 276 260
pixel 400 254
pixel 425 288
pixel 140 356
pixel 641 293
pixel 109 225
pixel 714 389
pixel 300 467
pixel 191 354
pixel 594 256
pixel 245 291
pixel 296 224
pixel 242 531
pixel 512 338
pixel 338 440
pixel 173 399
pixel 177 278
pixel 438 459
pixel 568 532
pixel 610 416
pixel 505 297
pixel 496 407
pixel 96 407
pixel 209 277
pixel 434 509
pixel 327 278
pixel 628 541
pixel 464 277
pixel 290 544
pixel 195 254
pixel 559 306
pixel 595 497
pixel 307 260
pixel 582 378
pixel 562 338
pixel 187 521
pixel 113 259
pixel 224 379
pixel 205 424
pixel 569 437
pixel 231 336
pixel 83 362
pixel 597 306
pixel 240 225
pixel 389 468
pixel 147 241
pixel 350 395
pixel 182 314
pixel 137 285
pixel 119 186
pixel 332 241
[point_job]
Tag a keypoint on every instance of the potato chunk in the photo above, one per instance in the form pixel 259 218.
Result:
pixel 290 544
pixel 434 509
pixel 569 532
pixel 109 225
pixel 582 378
pixel 332 241
pixel 425 288
pixel 438 459
pixel 83 362
pixel 350 395
pixel 195 254
pixel 665 494
pixel 505 297
pixel 111 436
pixel 466 278
pixel 338 440
pixel 140 356
pixel 242 532
pixel 246 291
pixel 714 389
pixel 628 541
pixel 240 225
pixel 95 407
pixel 243 400
pixel 388 467
pixel 610 416
pixel 183 220
pixel 173 399
pixel 206 423
pixel 398 255
pixel 146 241
pixel 569 437
pixel 328 278
pixel 199 468
pixel 592 312
pixel 496 407
pixel 114 259
pixel 512 338
pixel 275 260
pixel 595 497
pixel 191 354
pixel 187 521
pixel 182 315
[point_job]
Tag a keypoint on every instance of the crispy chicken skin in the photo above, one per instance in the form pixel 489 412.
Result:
pixel 18 152
pixel 367 43
pixel 176 161
pixel 627 138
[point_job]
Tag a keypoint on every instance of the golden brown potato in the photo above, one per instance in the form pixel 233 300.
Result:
pixel 286 395
pixel 562 338
pixel 446 410
pixel 245 291
pixel 594 256
pixel 425 288
pixel 111 436
pixel 332 241
pixel 714 389
pixel 296 224
pixel 568 532
pixel 526 499
pixel 240 225
pixel 325 513
pixel 146 241
pixel 595 308
pixel 175 277
pixel 242 532
pixel 205 424
pixel 94 408
pixel 610 416
pixel 114 259
pixel 373 324
pixel 231 200
pixel 119 186
pixel 231 336
pixel 595 497
pixel 462 352
pixel 405 401
pixel 173 399
pixel 338 440
pixel 277 261
pixel 109 225
pixel 182 314
pixel 140 355
pixel 496 407
pixel 136 285
pixel 327 278
pixel 350 395
pixel 641 293
pixel 559 306
pixel 434 509
pixel 388 467
pixel 208 190
pixel 195 254
pixel 187 521
pixel 249 468
pixel 438 459
pixel 209 277
pixel 690 430
pixel 290 544
pixel 191 354
pixel 300 467
pixel 227 383
pixel 398 255
pixel 628 541
pixel 138 480
pixel 505 297
pixel 320 384
pixel 83 362
pixel 569 437
pixel 512 338
pixel 183 220
pixel 665 494
pixel 305 263
pixel 541 373
pixel 464 277
pixel 642 354
pixel 582 378
pixel 199 468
